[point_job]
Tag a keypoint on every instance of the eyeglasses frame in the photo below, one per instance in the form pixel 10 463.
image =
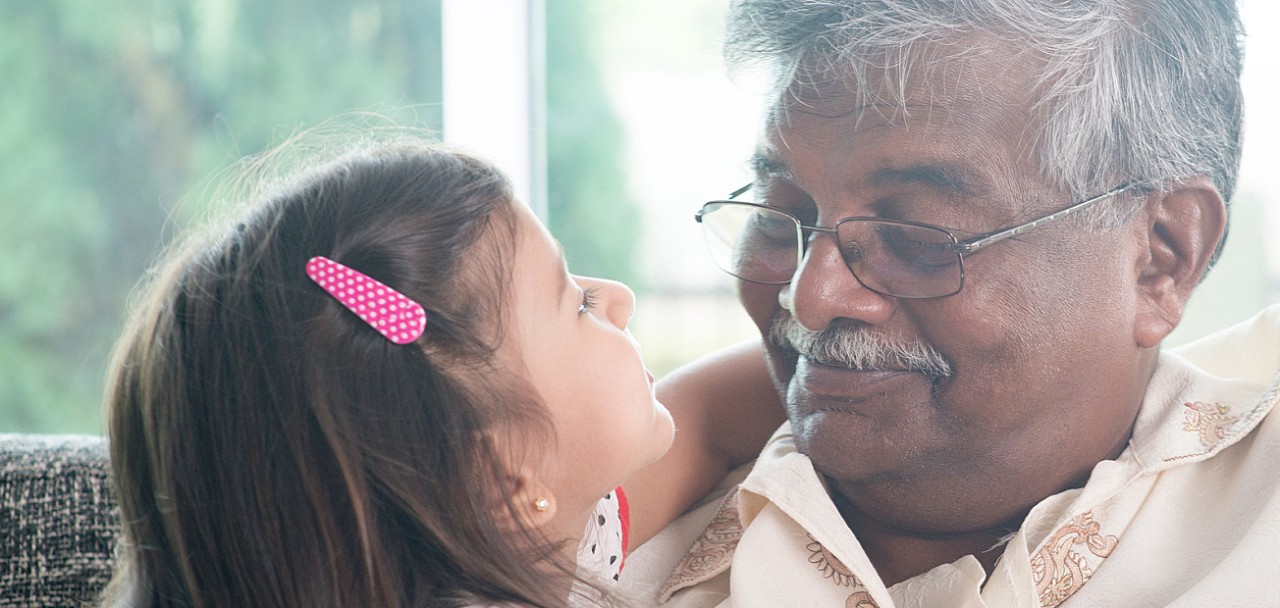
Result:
pixel 963 248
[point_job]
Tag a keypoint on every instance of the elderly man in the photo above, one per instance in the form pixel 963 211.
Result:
pixel 973 223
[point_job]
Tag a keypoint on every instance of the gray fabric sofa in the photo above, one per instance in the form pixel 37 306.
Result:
pixel 58 520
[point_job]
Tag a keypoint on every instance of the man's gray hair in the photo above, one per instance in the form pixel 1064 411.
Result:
pixel 1133 90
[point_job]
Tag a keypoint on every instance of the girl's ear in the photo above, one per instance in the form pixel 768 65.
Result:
pixel 530 500
pixel 534 502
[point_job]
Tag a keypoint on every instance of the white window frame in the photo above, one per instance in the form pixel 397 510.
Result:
pixel 494 87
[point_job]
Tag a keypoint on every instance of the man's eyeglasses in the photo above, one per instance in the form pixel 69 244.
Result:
pixel 898 258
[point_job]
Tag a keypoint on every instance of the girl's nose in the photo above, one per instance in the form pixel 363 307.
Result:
pixel 615 300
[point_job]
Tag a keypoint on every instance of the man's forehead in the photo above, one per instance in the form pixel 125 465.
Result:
pixel 935 80
pixel 851 115
pixel 962 136
pixel 953 175
pixel 915 106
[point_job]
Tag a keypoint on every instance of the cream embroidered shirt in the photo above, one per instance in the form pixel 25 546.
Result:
pixel 1188 515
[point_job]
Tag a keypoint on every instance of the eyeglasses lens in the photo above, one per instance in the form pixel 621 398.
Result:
pixel 752 243
pixel 902 260
pixel 761 245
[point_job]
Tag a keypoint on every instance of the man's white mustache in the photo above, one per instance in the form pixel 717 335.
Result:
pixel 858 348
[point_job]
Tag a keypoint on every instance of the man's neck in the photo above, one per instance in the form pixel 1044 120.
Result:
pixel 899 554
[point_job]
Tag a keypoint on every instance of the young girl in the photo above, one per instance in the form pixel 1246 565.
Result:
pixel 382 387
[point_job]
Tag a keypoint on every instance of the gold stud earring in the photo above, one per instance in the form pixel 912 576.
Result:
pixel 541 504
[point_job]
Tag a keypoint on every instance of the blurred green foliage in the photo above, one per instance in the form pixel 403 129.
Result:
pixel 114 110
pixel 587 206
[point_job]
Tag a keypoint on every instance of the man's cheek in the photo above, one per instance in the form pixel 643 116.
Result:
pixel 760 302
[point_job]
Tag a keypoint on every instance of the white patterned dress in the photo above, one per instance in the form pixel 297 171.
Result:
pixel 604 542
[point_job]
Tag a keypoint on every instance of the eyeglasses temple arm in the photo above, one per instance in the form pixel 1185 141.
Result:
pixel 968 247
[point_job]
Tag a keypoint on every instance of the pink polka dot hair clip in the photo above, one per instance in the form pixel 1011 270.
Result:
pixel 395 316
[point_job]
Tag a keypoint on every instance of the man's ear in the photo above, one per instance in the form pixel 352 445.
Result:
pixel 1183 228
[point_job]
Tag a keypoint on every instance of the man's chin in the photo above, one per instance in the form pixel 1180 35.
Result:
pixel 855 425
pixel 838 445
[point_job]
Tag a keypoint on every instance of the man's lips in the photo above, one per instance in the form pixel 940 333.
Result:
pixel 817 380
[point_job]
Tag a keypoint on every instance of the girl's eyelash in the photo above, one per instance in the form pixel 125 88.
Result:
pixel 588 300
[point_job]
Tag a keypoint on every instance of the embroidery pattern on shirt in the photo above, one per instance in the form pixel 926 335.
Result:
pixel 1209 420
pixel 832 568
pixel 860 599
pixel 711 553
pixel 1216 429
pixel 1059 570
pixel 829 565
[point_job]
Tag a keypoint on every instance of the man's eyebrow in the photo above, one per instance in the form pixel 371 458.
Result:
pixel 959 180
pixel 948 176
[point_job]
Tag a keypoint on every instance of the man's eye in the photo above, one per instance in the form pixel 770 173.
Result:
pixel 807 214
pixel 920 248
pixel 771 226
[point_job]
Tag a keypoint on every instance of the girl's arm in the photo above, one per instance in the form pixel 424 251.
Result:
pixel 725 407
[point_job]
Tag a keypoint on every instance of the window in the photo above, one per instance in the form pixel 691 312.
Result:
pixel 116 112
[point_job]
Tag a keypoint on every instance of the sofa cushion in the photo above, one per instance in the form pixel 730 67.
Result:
pixel 58 520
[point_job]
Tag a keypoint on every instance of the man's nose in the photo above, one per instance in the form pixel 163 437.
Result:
pixel 823 289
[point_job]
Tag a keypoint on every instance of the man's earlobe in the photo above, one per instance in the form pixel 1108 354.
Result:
pixel 1183 228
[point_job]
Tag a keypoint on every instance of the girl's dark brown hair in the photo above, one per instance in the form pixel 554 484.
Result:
pixel 269 449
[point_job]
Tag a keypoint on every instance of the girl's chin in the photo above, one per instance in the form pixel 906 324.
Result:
pixel 664 430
